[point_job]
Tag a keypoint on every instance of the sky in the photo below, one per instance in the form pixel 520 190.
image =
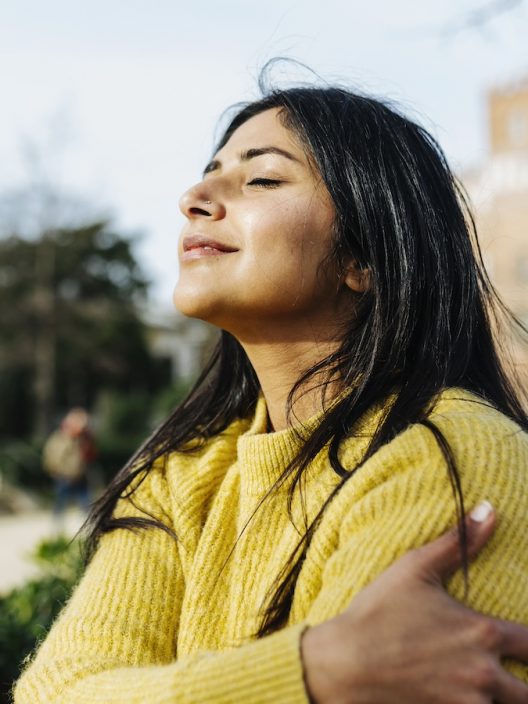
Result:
pixel 116 102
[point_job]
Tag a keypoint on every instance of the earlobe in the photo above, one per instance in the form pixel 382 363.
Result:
pixel 357 278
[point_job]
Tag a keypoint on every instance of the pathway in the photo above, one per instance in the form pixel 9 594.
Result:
pixel 18 537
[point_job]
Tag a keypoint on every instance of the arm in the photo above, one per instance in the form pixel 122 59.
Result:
pixel 116 640
pixel 399 500
pixel 107 649
pixel 403 639
pixel 402 498
pixel 269 670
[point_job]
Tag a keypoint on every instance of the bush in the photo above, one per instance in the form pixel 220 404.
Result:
pixel 27 612
pixel 20 464
pixel 167 400
pixel 125 420
pixel 122 425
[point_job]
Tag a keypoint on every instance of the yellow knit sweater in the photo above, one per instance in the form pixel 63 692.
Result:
pixel 159 621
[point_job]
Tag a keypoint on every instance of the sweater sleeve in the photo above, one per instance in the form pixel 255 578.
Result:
pixel 403 498
pixel 116 640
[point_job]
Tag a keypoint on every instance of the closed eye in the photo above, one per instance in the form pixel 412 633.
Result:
pixel 265 182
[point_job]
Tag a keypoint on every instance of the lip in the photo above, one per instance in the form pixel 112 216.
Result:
pixel 198 246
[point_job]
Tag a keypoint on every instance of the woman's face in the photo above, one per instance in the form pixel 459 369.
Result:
pixel 258 227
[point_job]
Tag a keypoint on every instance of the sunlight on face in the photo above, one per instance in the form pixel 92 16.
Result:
pixel 259 225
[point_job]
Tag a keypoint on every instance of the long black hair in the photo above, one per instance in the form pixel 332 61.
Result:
pixel 425 323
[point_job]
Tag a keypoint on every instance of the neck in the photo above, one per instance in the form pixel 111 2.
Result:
pixel 278 366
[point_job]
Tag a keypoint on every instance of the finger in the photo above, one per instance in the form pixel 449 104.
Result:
pixel 509 690
pixel 480 525
pixel 440 558
pixel 513 640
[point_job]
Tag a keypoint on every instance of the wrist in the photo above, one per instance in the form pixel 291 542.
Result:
pixel 318 645
pixel 331 660
pixel 313 678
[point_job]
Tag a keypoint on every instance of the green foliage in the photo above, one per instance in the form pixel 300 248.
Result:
pixel 15 392
pixel 123 413
pixel 60 557
pixel 126 419
pixel 167 400
pixel 20 464
pixel 69 323
pixel 26 613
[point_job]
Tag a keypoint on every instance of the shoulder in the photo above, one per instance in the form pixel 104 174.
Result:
pixel 179 486
pixel 455 404
pixel 473 427
pixel 486 446
pixel 205 461
pixel 470 427
pixel 146 496
pixel 412 475
pixel 404 496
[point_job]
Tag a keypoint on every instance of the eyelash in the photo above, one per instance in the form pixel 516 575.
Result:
pixel 265 182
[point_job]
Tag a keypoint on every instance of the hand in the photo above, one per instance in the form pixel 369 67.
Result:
pixel 404 639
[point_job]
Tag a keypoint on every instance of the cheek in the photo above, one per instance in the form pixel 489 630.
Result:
pixel 289 237
pixel 277 271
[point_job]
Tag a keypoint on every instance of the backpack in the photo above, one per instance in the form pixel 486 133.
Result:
pixel 62 457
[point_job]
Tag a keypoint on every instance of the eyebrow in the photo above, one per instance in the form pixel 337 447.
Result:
pixel 252 154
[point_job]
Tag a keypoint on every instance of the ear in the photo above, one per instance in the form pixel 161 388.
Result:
pixel 356 277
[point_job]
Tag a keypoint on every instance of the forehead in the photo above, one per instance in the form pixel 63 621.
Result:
pixel 266 128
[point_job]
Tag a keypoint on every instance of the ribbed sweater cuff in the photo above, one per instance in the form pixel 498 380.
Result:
pixel 265 671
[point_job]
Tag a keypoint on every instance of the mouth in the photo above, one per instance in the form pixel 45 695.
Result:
pixel 197 246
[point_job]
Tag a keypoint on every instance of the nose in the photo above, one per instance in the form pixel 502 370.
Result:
pixel 199 202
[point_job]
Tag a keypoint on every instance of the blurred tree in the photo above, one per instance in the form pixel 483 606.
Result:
pixel 69 324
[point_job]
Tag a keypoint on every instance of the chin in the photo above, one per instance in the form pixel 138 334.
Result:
pixel 193 305
pixel 186 305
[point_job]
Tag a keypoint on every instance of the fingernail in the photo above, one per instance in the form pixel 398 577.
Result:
pixel 481 512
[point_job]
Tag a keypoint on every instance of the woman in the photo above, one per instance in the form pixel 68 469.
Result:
pixel 355 404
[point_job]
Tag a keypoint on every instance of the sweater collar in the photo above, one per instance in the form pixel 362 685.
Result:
pixel 263 455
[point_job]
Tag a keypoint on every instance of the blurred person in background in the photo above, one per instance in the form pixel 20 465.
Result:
pixel 66 457
pixel 284 535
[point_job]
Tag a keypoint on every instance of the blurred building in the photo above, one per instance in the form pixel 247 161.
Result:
pixel 498 191
pixel 183 343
